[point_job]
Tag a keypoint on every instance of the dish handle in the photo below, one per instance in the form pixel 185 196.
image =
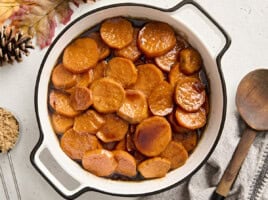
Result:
pixel 55 180
pixel 215 37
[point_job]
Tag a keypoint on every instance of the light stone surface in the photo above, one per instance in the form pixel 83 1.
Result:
pixel 244 20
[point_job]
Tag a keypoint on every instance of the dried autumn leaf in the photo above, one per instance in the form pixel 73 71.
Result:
pixel 38 18
pixel 7 8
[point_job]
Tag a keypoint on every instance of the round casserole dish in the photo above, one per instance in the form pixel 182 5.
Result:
pixel 49 142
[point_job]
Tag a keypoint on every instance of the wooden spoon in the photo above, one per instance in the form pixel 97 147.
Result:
pixel 252 104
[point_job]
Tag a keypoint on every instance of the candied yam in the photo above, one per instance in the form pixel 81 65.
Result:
pixel 60 102
pixel 190 61
pixel 75 144
pixel 62 78
pixel 121 145
pixel 191 120
pixel 176 154
pixel 134 108
pixel 126 163
pixel 152 136
pixel 188 140
pixel 161 99
pixel 166 61
pixel 117 32
pixel 190 94
pixel 175 75
pixel 88 122
pixel 104 50
pixel 174 124
pixel 61 123
pixel 108 95
pixel 99 70
pixel 131 51
pixel 122 70
pixel 154 167
pixel 149 76
pixel 156 39
pixel 114 129
pixel 81 55
pixel 82 80
pixel 81 98
pixel 99 162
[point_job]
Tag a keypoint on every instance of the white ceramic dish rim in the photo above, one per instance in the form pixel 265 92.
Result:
pixel 123 188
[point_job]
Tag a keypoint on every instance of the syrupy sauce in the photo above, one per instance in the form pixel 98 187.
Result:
pixel 137 23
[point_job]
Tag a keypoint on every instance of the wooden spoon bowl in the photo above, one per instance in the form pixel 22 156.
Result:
pixel 252 99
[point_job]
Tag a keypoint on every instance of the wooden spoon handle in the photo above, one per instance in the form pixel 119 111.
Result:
pixel 235 164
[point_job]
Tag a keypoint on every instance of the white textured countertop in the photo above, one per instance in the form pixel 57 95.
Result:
pixel 244 20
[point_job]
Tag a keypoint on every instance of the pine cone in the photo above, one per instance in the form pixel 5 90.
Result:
pixel 13 44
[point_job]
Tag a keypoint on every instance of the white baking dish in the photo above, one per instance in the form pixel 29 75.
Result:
pixel 102 10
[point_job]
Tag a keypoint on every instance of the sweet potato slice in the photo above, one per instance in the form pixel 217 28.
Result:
pixel 122 70
pixel 104 50
pixel 154 167
pixel 81 98
pixel 62 78
pixel 166 61
pixel 75 144
pixel 175 75
pixel 161 99
pixel 190 94
pixel 191 120
pixel 114 128
pixel 134 108
pixel 82 80
pixel 149 76
pixel 152 136
pixel 117 32
pixel 126 163
pixel 188 140
pixel 174 124
pixel 131 51
pixel 61 123
pixel 190 61
pixel 60 102
pixel 99 162
pixel 108 95
pixel 88 122
pixel 156 39
pixel 99 70
pixel 176 154
pixel 121 145
pixel 81 55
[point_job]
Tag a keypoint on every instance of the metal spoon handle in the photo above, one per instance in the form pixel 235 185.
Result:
pixel 235 164
pixel 4 184
pixel 14 175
